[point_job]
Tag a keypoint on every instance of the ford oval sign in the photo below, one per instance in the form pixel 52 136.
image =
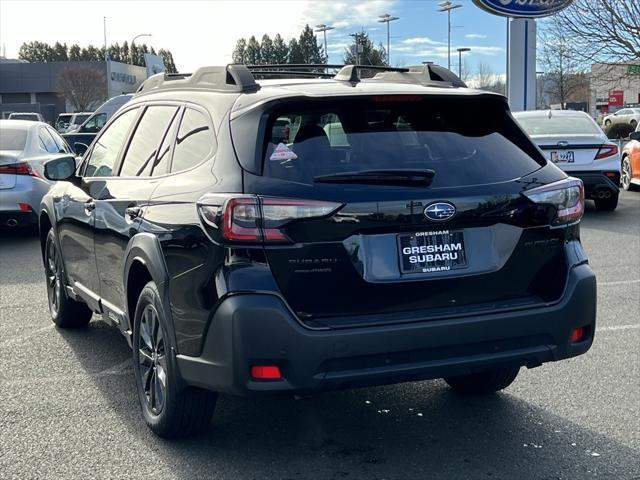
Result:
pixel 523 8
pixel 440 211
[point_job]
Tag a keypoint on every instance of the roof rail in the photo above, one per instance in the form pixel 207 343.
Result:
pixel 232 78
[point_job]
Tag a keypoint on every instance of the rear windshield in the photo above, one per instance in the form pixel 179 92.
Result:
pixel 465 141
pixel 559 125
pixel 24 116
pixel 12 139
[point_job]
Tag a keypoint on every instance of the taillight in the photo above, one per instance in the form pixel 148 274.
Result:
pixel 606 151
pixel 566 195
pixel 249 218
pixel 20 168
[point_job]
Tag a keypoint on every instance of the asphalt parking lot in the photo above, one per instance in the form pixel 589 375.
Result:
pixel 68 406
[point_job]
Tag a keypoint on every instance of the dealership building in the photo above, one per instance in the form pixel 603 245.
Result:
pixel 614 86
pixel 32 87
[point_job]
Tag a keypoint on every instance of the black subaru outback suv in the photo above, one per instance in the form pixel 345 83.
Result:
pixel 262 231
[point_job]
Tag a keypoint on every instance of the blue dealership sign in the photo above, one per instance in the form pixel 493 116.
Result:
pixel 523 8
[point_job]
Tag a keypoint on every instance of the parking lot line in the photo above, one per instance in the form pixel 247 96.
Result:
pixel 618 282
pixel 615 328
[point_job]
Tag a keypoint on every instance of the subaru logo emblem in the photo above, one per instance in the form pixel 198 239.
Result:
pixel 439 211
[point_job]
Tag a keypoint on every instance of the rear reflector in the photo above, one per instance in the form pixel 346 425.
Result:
pixel 266 372
pixel 566 195
pixel 607 151
pixel 24 207
pixel 578 334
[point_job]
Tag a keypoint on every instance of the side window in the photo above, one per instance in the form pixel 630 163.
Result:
pixel 95 124
pixel 161 165
pixel 146 139
pixel 195 140
pixel 62 145
pixel 47 141
pixel 107 146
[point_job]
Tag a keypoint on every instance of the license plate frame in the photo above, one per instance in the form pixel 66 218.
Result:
pixel 446 249
pixel 562 156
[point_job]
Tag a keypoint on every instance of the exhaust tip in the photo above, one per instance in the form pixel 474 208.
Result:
pixel 12 222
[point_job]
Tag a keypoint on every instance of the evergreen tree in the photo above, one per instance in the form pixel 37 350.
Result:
pixel 252 53
pixel 60 52
pixel 74 52
pixel 311 52
pixel 124 52
pixel 167 57
pixel 266 50
pixel 240 51
pixel 368 55
pixel 295 52
pixel 280 50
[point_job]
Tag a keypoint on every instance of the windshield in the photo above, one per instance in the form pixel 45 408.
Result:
pixel 12 139
pixel 558 125
pixel 24 116
pixel 465 142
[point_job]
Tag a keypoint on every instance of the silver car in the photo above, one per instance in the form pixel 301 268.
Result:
pixel 24 148
pixel 625 115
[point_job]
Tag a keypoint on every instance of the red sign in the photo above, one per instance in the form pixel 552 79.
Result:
pixel 616 98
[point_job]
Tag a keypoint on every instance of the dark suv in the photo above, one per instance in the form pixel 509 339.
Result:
pixel 291 235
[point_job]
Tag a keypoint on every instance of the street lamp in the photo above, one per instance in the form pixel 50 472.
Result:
pixel 133 41
pixel 460 50
pixel 324 29
pixel 386 18
pixel 447 6
pixel 359 49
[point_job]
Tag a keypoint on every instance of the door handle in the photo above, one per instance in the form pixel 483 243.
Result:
pixel 132 212
pixel 89 207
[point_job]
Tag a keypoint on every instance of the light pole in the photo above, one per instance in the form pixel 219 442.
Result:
pixel 133 41
pixel 386 18
pixel 324 29
pixel 447 6
pixel 460 50
pixel 356 39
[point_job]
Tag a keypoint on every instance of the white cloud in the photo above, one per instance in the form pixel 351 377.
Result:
pixel 421 41
pixel 473 36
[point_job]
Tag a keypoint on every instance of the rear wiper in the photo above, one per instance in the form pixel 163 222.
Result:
pixel 409 178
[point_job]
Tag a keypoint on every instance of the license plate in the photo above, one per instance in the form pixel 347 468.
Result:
pixel 431 251
pixel 562 156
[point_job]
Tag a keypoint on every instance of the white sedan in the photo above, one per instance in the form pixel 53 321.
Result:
pixel 575 142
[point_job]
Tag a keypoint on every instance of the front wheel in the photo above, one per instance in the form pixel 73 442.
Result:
pixel 65 312
pixel 483 382
pixel 169 409
pixel 607 204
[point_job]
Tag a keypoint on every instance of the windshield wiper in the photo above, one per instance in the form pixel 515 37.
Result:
pixel 409 178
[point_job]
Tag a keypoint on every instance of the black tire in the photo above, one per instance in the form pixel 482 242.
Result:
pixel 633 123
pixel 484 382
pixel 168 408
pixel 607 204
pixel 65 312
pixel 627 175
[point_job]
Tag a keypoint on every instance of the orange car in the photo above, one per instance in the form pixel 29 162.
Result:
pixel 630 175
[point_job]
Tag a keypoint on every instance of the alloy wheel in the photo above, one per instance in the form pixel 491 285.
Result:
pixel 152 359
pixel 54 289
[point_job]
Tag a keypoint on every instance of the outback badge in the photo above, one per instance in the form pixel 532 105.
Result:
pixel 440 211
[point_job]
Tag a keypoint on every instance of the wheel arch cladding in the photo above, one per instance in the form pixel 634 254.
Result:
pixel 44 224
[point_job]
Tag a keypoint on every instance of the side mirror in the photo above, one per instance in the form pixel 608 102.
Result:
pixel 80 148
pixel 61 168
pixel 635 135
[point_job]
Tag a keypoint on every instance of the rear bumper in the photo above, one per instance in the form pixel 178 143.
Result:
pixel 599 183
pixel 17 218
pixel 258 329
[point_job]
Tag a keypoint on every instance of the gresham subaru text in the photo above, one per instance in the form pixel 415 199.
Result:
pixel 255 235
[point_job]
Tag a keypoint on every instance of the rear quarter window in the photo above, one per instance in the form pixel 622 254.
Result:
pixel 466 141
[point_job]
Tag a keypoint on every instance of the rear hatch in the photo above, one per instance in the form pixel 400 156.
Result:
pixel 402 207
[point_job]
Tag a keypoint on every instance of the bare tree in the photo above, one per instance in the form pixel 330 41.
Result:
pixel 564 71
pixel 485 77
pixel 602 30
pixel 82 86
pixel 465 71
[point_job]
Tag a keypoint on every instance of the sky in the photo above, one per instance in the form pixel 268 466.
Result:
pixel 204 32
